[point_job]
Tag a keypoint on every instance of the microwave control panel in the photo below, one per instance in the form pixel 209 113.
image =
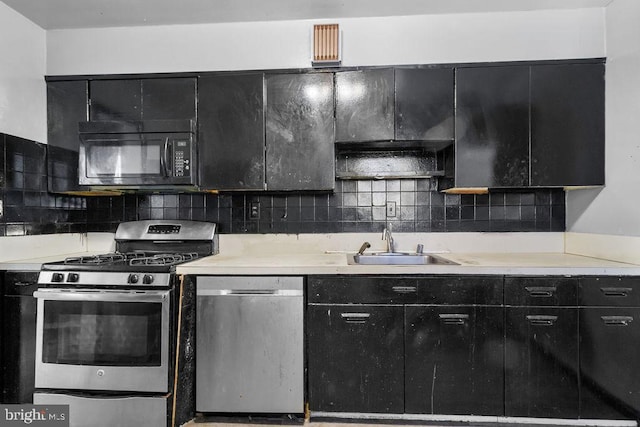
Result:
pixel 181 157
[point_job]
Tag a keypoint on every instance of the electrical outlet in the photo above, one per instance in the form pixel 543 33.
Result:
pixel 254 210
pixel 391 209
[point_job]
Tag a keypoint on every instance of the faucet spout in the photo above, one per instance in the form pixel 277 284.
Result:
pixel 386 235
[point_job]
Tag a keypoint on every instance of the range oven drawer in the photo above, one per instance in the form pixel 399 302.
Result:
pixel 103 340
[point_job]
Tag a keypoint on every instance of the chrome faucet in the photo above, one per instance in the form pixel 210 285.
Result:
pixel 386 235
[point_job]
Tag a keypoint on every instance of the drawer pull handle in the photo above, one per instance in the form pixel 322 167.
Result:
pixel 23 283
pixel 541 320
pixel 616 292
pixel 617 320
pixel 355 317
pixel 453 319
pixel 404 289
pixel 541 291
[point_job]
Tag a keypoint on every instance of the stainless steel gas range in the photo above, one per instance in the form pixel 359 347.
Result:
pixel 106 331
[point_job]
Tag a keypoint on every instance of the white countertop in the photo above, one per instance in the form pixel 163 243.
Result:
pixel 281 254
pixel 486 253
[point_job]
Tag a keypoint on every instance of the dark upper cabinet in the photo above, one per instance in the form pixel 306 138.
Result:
pixel 355 358
pixel 424 104
pixel 492 127
pixel 454 360
pixel 299 113
pixel 541 362
pixel 143 99
pixel 365 105
pixel 567 125
pixel 231 132
pixel 67 104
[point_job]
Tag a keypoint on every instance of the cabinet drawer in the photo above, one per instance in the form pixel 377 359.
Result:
pixel 613 291
pixel 540 291
pixel 362 289
pixel 456 290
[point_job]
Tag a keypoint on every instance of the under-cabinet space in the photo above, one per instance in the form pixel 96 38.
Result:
pixel 389 164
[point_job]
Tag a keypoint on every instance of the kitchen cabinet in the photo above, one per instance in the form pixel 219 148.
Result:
pixel 530 125
pixel 356 358
pixel 168 98
pixel 541 347
pixel 411 344
pixel 424 108
pixel 231 132
pixel 365 105
pixel 454 360
pixel 567 125
pixel 67 105
pixel 299 132
pixel 492 127
pixel 609 331
pixel 19 329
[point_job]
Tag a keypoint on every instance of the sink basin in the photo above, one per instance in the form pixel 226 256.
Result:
pixel 397 258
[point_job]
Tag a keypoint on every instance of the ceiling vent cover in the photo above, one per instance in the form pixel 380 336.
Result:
pixel 326 45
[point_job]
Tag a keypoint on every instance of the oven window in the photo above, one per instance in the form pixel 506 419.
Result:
pixel 102 333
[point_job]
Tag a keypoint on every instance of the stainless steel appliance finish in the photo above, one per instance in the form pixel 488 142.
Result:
pixel 107 325
pixel 80 334
pixel 155 153
pixel 84 411
pixel 249 344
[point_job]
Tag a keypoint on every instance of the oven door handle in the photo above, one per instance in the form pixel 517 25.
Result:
pixel 164 158
pixel 99 295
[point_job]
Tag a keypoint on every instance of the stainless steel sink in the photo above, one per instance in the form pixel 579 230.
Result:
pixel 397 258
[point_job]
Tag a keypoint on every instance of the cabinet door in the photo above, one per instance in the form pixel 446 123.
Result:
pixel 609 363
pixel 299 132
pixel 567 125
pixel 492 127
pixel 169 99
pixel 365 105
pixel 115 99
pixel 231 132
pixel 541 362
pixel 67 104
pixel 454 360
pixel 424 104
pixel 18 359
pixel 355 358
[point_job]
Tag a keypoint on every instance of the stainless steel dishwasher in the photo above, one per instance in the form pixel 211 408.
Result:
pixel 249 344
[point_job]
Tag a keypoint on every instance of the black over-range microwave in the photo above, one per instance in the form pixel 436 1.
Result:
pixel 138 155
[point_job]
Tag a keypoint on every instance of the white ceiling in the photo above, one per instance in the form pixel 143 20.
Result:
pixel 59 14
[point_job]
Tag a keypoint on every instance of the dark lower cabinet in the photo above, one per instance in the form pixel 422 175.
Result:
pixel 454 360
pixel 355 358
pixel 609 362
pixel 18 337
pixel 541 362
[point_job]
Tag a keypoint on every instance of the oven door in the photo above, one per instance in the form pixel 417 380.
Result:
pixel 136 159
pixel 103 340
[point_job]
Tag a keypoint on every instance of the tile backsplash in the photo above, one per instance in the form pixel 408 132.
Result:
pixel 409 205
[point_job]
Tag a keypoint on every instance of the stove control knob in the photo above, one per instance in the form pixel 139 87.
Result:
pixel 133 278
pixel 73 277
pixel 57 277
pixel 147 279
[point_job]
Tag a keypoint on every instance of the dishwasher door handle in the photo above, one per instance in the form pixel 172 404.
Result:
pixel 249 292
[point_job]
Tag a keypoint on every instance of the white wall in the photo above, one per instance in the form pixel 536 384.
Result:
pixel 366 41
pixel 22 70
pixel 616 208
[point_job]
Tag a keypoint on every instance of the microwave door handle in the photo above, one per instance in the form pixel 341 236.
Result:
pixel 164 159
